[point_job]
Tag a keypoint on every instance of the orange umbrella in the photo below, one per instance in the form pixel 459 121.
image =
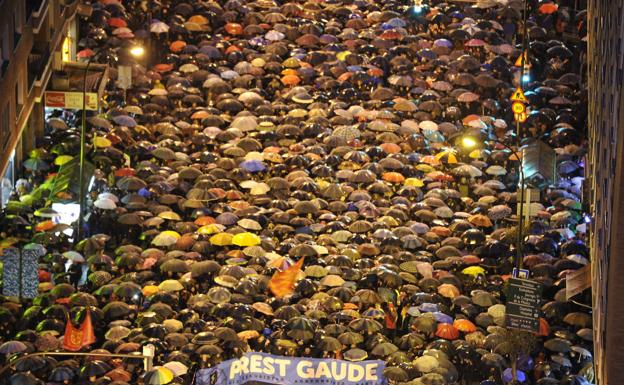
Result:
pixel 232 48
pixel 441 231
pixel 464 325
pixel 163 67
pixel 290 71
pixel 544 328
pixel 198 19
pixel 548 8
pixel 449 291
pixel 391 34
pixel 45 225
pixel 291 80
pixel 117 22
pixel 203 221
pixel 470 118
pixel 376 72
pixel 234 28
pixel 480 220
pixel 447 331
pixel 345 76
pixel 201 114
pixel 393 177
pixel 126 171
pixel 177 46
pixel 430 159
pixel 390 148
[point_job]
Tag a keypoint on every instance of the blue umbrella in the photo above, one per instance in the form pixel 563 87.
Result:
pixel 442 318
pixel 396 22
pixel 443 43
pixel 125 120
pixel 428 307
pixel 434 136
pixel 253 165
pixel 507 375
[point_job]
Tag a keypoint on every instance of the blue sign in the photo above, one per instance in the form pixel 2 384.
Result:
pixel 520 273
pixel 262 367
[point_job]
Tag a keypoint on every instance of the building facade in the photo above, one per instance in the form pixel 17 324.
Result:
pixel 35 34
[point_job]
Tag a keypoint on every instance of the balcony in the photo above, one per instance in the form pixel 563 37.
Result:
pixel 36 11
pixel 37 61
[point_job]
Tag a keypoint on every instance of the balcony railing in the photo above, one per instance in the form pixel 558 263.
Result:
pixel 37 61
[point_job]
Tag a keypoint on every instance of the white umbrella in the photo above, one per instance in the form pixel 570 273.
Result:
pixel 159 27
pixel 105 204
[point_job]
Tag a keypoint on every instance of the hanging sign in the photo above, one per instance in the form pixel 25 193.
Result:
pixel 272 369
pixel 518 108
pixel 518 96
pixel 527 63
pixel 523 304
pixel 71 100
pixel 520 118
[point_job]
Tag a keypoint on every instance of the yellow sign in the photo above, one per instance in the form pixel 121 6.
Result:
pixel 520 117
pixel 518 96
pixel 518 108
pixel 527 63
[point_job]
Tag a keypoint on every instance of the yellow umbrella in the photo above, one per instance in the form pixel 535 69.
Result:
pixel 170 215
pixel 342 56
pixel 209 229
pixel 424 168
pixel 447 156
pixel 479 154
pixel 62 159
pixel 221 239
pixel 170 285
pixel 101 142
pixel 166 238
pixel 150 290
pixel 158 375
pixel 414 182
pixel 246 239
pixel 474 271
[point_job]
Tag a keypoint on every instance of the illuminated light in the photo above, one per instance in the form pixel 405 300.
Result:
pixel 526 78
pixel 137 51
pixel 66 49
pixel 469 142
pixel 417 9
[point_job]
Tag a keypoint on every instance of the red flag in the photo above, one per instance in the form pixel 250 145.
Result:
pixel 77 338
pixel 283 282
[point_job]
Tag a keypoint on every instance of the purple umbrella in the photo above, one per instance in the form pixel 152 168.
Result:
pixel 507 376
pixel 124 120
pixel 253 165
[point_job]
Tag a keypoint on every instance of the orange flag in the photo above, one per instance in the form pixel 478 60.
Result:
pixel 283 282
pixel 76 338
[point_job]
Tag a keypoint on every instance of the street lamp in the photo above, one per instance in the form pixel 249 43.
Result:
pixel 470 142
pixel 136 51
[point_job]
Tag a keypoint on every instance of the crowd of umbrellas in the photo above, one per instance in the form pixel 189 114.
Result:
pixel 257 133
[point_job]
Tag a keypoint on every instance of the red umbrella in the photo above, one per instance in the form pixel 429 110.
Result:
pixel 548 8
pixel 475 43
pixel 126 171
pixel 85 53
pixel 117 22
pixel 447 331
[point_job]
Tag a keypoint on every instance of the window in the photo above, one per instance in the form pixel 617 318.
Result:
pixel 17 23
pixel 19 95
pixel 5 127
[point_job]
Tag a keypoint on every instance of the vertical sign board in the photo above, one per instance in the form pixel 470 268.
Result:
pixel 124 77
pixel 25 285
pixel 523 303
pixel 10 272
